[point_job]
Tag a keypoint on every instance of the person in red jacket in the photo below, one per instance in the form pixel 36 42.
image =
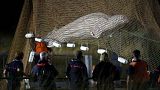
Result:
pixel 138 76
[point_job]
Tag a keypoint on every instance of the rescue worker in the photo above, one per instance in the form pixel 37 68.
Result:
pixel 104 73
pixel 138 76
pixel 14 72
pixel 44 73
pixel 77 73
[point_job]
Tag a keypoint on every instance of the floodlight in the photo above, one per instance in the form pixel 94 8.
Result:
pixel 50 44
pixel 70 45
pixel 84 48
pixel 29 35
pixel 38 39
pixel 56 44
pixel 122 60
pixel 100 51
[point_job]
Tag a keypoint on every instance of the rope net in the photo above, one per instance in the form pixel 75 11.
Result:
pixel 118 25
pixel 88 27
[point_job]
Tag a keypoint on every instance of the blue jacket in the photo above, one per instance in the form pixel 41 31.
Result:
pixel 77 71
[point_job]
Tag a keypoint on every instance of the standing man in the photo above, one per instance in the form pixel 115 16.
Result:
pixel 14 72
pixel 138 76
pixel 77 73
pixel 44 73
pixel 104 73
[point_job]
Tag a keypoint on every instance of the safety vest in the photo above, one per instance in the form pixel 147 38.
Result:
pixel 40 47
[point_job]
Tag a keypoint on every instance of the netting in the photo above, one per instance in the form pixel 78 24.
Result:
pixel 87 21
pixel 140 30
pixel 88 27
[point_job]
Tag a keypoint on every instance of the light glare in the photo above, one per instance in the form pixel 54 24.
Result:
pixel 122 60
pixel 29 35
pixel 70 45
pixel 38 39
pixel 84 48
pixel 56 44
pixel 100 51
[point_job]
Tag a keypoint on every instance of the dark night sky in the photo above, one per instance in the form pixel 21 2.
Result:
pixel 10 12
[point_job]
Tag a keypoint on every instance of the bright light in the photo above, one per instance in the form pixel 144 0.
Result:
pixel 38 39
pixel 56 44
pixel 84 48
pixel 70 45
pixel 31 56
pixel 29 35
pixel 50 44
pixel 122 60
pixel 53 44
pixel 100 51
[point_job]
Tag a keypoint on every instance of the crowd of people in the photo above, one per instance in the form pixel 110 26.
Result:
pixel 104 74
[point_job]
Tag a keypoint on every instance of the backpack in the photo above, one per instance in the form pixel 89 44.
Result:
pixel 40 47
pixel 15 68
pixel 47 71
pixel 46 75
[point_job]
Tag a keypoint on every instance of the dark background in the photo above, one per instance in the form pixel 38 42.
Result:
pixel 10 12
pixel 9 17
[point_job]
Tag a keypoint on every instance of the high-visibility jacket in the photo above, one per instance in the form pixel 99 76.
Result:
pixel 40 47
